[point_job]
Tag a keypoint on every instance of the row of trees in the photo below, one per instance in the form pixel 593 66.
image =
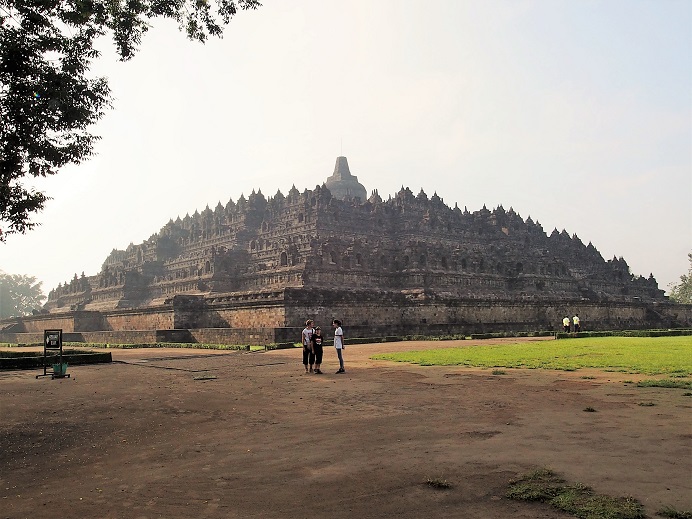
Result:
pixel 19 295
pixel 682 292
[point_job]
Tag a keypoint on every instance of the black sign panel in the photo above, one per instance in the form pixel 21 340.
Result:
pixel 52 339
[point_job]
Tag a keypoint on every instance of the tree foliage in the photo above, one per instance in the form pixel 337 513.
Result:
pixel 47 100
pixel 682 292
pixel 19 295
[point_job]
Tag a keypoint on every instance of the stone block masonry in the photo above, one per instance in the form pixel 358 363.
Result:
pixel 281 315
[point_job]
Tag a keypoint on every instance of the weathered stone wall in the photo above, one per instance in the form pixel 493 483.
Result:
pixel 245 317
pixel 157 318
pixel 89 321
pixel 64 322
pixel 67 322
pixel 238 336
pixel 675 312
pixel 22 338
pixel 113 337
pixel 239 310
pixel 392 313
pixel 230 318
pixel 250 336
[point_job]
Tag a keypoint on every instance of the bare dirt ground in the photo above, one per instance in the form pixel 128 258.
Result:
pixel 154 435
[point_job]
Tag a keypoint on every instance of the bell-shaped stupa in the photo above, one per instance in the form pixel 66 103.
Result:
pixel 343 185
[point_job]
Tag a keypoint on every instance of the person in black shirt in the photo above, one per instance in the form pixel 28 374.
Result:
pixel 316 340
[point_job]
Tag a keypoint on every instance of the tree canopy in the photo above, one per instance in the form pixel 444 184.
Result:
pixel 47 100
pixel 19 295
pixel 682 292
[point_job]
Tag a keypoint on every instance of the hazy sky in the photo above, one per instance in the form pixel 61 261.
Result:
pixel 577 113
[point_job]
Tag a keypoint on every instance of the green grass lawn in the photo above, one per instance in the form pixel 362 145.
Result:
pixel 646 355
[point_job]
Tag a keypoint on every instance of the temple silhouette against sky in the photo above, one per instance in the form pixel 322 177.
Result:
pixel 410 262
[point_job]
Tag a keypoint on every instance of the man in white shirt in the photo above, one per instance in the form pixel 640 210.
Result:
pixel 308 354
pixel 339 344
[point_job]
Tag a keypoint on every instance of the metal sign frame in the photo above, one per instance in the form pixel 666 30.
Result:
pixel 52 347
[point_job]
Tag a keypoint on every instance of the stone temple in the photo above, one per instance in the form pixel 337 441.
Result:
pixel 253 270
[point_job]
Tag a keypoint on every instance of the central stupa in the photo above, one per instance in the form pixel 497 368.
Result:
pixel 343 185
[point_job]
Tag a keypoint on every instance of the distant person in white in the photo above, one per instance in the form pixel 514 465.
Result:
pixel 565 324
pixel 339 343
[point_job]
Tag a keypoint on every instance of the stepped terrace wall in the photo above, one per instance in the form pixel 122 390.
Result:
pixel 273 316
pixel 237 310
pixel 394 313
pixel 249 336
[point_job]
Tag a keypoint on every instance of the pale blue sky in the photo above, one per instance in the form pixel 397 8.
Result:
pixel 576 113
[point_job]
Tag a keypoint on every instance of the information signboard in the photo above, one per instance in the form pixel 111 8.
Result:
pixel 52 339
pixel 52 355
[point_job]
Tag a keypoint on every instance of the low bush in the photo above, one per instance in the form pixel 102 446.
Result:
pixel 625 333
pixel 34 360
pixel 666 383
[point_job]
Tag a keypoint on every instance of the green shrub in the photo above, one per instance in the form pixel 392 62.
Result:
pixel 34 360
pixel 666 383
pixel 626 333
pixel 576 499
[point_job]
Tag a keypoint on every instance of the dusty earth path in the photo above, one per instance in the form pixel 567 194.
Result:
pixel 197 433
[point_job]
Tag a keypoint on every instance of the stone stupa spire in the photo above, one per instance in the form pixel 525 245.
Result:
pixel 342 184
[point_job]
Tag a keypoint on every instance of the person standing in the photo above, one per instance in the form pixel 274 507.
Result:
pixel 308 353
pixel 316 340
pixel 339 344
pixel 577 323
pixel 565 324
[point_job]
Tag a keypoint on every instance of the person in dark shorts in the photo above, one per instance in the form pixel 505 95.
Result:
pixel 565 324
pixel 316 340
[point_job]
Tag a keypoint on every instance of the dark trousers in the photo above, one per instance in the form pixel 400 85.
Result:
pixel 308 356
